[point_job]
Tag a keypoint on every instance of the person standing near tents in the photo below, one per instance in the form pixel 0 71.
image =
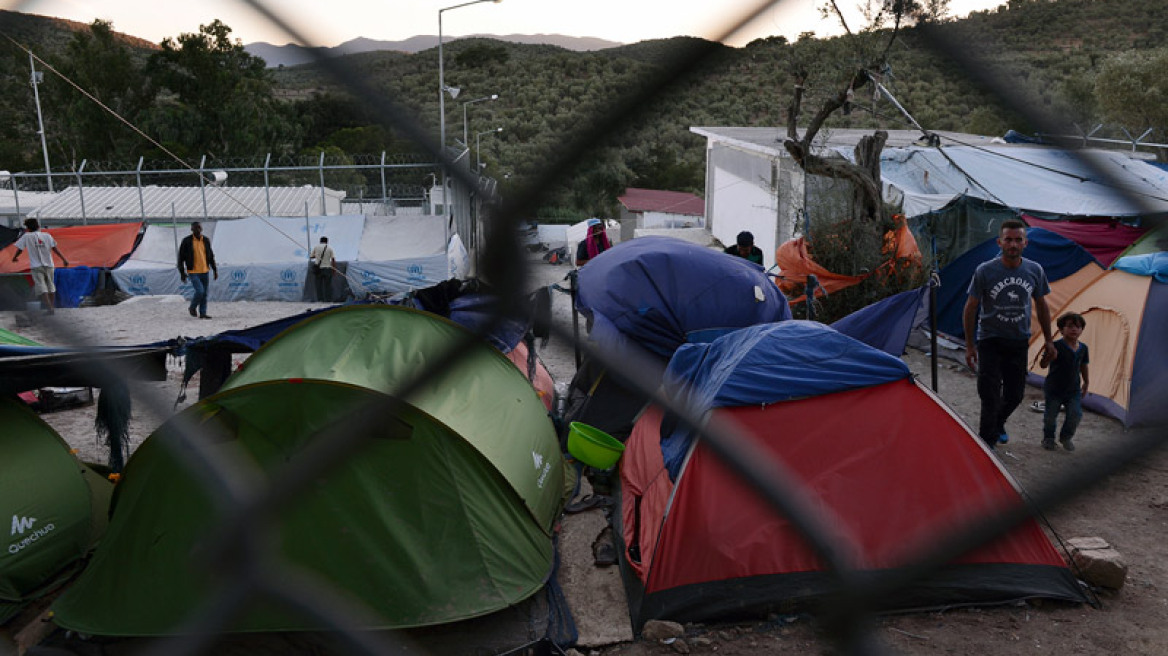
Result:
pixel 745 248
pixel 40 247
pixel 999 307
pixel 321 262
pixel 594 244
pixel 1062 388
pixel 195 259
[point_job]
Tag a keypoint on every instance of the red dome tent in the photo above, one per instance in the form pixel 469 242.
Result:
pixel 890 467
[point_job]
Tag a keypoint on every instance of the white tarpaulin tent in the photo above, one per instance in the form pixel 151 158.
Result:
pixel 399 253
pixel 266 258
pixel 152 269
pixel 272 240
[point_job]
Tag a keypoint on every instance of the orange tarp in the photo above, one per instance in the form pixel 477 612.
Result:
pixel 98 246
pixel 795 263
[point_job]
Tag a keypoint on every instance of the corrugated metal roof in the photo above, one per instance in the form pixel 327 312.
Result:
pixel 120 203
pixel 654 200
pixel 28 200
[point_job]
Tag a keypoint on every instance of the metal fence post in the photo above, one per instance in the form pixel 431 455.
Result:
pixel 323 207
pixel 267 187
pixel 384 188
pixel 203 185
pixel 141 200
pixel 81 192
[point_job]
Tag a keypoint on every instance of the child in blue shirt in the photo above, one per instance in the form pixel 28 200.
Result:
pixel 1062 387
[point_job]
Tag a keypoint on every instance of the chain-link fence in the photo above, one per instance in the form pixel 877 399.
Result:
pixel 242 549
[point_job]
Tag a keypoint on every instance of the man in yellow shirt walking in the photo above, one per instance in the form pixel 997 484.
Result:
pixel 195 259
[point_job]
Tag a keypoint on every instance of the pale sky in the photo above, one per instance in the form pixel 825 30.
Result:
pixel 331 22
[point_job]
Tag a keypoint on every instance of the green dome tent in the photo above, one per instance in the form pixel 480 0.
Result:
pixel 445 514
pixel 56 505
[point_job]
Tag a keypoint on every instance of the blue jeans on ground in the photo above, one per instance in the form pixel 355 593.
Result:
pixel 199 282
pixel 1074 408
pixel 1001 383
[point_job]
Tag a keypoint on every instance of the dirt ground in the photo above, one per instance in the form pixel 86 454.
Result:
pixel 1128 509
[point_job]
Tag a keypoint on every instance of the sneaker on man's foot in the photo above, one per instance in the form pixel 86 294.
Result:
pixel 1048 445
pixel 1068 445
pixel 192 311
pixel 1003 438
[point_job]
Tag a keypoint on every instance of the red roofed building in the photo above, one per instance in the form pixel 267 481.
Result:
pixel 651 208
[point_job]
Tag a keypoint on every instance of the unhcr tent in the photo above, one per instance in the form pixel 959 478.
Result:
pixel 446 513
pixel 57 508
pixel 1126 310
pixel 399 253
pixel 152 268
pixel 864 441
pixel 266 258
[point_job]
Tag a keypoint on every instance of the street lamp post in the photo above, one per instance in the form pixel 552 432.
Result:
pixel 478 158
pixel 442 73
pixel 36 78
pixel 465 135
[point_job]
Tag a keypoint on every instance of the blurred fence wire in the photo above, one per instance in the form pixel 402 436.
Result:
pixel 250 502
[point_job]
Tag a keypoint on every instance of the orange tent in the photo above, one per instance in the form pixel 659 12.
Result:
pixel 795 263
pixel 97 246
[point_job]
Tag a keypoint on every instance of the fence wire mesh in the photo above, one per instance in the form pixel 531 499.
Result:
pixel 243 555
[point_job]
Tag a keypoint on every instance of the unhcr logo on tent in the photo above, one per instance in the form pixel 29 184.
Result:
pixel 289 282
pixel 238 279
pixel 415 273
pixel 22 524
pixel 370 279
pixel 138 285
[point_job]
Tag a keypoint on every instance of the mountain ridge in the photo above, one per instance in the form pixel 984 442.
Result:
pixel 292 54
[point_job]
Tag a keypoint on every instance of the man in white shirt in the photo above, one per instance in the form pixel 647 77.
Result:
pixel 321 260
pixel 40 247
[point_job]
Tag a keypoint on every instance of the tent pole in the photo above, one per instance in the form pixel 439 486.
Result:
pixel 575 317
pixel 933 333
pixel 934 281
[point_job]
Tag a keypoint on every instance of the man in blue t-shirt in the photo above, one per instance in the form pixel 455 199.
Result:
pixel 999 308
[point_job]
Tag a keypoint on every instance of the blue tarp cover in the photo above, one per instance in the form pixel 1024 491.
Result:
pixel 767 364
pixel 73 284
pixel 660 292
pixel 1059 257
pixel 885 324
pixel 1149 264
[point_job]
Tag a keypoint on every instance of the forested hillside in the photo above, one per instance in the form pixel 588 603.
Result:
pixel 1081 59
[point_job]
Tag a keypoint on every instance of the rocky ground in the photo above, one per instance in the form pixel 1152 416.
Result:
pixel 1129 509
